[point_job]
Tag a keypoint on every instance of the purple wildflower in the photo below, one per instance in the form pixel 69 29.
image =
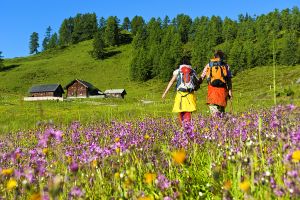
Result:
pixel 76 192
pixel 279 192
pixel 162 182
pixel 74 167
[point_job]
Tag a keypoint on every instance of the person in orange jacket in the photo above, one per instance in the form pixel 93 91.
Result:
pixel 218 75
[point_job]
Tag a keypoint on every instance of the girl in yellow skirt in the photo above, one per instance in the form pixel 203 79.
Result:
pixel 185 101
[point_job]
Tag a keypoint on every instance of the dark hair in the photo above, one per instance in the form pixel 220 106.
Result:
pixel 219 54
pixel 185 60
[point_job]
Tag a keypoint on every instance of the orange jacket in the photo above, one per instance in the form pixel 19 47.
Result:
pixel 216 95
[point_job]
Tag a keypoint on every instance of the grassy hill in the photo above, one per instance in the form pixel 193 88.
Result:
pixel 253 88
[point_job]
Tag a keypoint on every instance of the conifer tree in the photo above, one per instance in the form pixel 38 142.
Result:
pixel 153 45
pixel 229 29
pixel 183 24
pixel 102 23
pixel 248 50
pixel 237 59
pixel 262 50
pixel 295 20
pixel 137 23
pixel 85 27
pixel 99 46
pixel 289 54
pixel 194 28
pixel 172 52
pixel 53 41
pixel 65 31
pixel 201 48
pixel 112 32
pixel 34 43
pixel 275 21
pixel 286 19
pixel 46 40
pixel 166 22
pixel 139 45
pixel 1 61
pixel 144 67
pixel 126 24
pixel 215 30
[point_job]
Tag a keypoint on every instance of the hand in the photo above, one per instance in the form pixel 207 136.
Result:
pixel 230 94
pixel 200 81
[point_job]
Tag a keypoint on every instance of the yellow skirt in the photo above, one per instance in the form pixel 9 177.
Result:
pixel 184 102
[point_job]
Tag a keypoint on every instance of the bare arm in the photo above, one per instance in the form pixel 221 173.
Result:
pixel 229 83
pixel 203 74
pixel 169 86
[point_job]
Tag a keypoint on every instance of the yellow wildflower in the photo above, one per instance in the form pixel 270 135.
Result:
pixel 69 159
pixel 179 156
pixel 149 178
pixel 45 151
pixel 227 185
pixel 11 184
pixel 36 196
pixel 94 163
pixel 296 156
pixel 245 185
pixel 7 172
pixel 118 150
pixel 144 198
pixel 128 182
pixel 146 137
pixel 117 175
pixel 117 139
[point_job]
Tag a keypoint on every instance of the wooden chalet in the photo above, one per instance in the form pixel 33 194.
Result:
pixel 116 93
pixel 49 90
pixel 82 89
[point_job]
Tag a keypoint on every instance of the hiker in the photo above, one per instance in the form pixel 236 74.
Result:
pixel 187 83
pixel 218 76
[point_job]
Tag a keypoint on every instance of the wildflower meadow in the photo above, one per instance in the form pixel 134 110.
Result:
pixel 250 155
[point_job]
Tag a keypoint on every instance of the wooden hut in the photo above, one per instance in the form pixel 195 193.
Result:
pixel 82 89
pixel 49 90
pixel 116 93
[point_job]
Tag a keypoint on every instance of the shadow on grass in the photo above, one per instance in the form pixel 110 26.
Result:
pixel 111 53
pixel 7 68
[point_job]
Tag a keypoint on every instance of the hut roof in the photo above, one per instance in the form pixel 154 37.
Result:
pixel 92 90
pixel 84 83
pixel 115 91
pixel 46 88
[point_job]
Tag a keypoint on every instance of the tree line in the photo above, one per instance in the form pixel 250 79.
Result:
pixel 1 61
pixel 105 32
pixel 159 44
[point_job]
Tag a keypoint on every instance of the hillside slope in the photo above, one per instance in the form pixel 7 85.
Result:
pixel 252 88
pixel 65 65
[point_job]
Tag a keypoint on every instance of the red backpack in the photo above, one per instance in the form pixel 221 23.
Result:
pixel 187 80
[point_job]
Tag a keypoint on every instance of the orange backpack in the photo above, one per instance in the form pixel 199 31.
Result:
pixel 217 73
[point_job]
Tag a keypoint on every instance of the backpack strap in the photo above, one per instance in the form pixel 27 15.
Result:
pixel 210 68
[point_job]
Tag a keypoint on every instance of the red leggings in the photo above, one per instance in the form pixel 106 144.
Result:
pixel 184 117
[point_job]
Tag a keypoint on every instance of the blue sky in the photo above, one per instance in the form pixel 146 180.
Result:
pixel 19 18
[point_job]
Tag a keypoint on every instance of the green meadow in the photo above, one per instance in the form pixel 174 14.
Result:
pixel 253 89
